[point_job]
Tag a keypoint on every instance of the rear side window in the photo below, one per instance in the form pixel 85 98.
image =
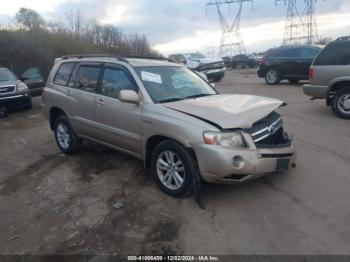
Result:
pixel 309 52
pixel 336 53
pixel 288 53
pixel 63 74
pixel 87 78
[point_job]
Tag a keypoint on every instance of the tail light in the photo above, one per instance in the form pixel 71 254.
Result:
pixel 311 73
pixel 261 61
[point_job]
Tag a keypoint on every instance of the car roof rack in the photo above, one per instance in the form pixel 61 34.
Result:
pixel 343 38
pixel 145 57
pixel 80 56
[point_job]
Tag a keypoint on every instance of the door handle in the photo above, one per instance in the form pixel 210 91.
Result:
pixel 100 102
pixel 68 93
pixel 299 61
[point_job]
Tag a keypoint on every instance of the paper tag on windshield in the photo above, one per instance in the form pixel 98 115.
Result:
pixel 150 77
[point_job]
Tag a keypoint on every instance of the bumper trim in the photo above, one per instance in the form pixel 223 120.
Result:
pixel 11 97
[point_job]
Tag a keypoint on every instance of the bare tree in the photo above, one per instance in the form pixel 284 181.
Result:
pixel 29 19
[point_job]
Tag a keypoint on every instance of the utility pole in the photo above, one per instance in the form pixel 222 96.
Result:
pixel 310 21
pixel 300 28
pixel 294 27
pixel 231 39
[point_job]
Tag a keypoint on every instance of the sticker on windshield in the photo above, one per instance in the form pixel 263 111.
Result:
pixel 151 77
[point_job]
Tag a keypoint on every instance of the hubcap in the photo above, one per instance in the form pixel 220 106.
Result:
pixel 170 170
pixel 63 135
pixel 271 76
pixel 344 104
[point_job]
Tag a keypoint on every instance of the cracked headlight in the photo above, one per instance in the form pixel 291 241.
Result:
pixel 229 139
pixel 22 87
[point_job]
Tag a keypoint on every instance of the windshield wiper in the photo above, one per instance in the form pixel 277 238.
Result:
pixel 174 99
pixel 197 96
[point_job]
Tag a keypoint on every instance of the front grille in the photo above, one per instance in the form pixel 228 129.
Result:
pixel 269 131
pixel 7 89
pixel 266 127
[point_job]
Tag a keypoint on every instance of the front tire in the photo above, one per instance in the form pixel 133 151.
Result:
pixel 66 139
pixel 272 76
pixel 341 103
pixel 173 167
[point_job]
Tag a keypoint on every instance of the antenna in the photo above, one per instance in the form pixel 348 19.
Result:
pixel 231 40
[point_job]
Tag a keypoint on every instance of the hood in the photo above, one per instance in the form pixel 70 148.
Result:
pixel 210 61
pixel 228 111
pixel 10 83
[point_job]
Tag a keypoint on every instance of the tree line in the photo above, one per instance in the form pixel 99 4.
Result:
pixel 32 41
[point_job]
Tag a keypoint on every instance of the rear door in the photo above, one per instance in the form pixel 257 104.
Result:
pixel 307 56
pixel 118 123
pixel 80 97
pixel 286 62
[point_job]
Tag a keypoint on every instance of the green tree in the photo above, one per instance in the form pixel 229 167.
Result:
pixel 29 18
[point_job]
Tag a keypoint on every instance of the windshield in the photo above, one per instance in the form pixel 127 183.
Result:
pixel 7 75
pixel 194 56
pixel 173 83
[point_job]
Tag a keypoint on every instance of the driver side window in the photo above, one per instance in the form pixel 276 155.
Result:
pixel 114 80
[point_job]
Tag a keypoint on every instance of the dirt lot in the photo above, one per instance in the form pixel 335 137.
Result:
pixel 54 204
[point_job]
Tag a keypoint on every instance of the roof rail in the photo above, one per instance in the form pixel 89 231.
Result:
pixel 145 57
pixel 80 56
pixel 343 38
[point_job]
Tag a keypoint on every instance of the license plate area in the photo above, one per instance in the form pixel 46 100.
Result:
pixel 282 164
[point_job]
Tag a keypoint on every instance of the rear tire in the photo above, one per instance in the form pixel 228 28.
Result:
pixel 272 76
pixel 341 103
pixel 68 142
pixel 173 167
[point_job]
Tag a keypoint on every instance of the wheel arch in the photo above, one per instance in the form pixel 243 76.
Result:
pixel 154 140
pixel 54 113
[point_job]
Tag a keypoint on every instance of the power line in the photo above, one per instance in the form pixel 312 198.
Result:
pixel 231 39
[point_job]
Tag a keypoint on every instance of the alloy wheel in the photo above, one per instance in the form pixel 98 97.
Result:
pixel 63 136
pixel 170 170
pixel 344 104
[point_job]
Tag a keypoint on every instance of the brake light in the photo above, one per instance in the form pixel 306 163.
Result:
pixel 311 73
pixel 261 61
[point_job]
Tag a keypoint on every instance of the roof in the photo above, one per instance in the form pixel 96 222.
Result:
pixel 136 62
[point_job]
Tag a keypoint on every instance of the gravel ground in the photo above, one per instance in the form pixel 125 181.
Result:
pixel 104 202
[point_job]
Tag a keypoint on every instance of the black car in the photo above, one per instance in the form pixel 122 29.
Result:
pixel 243 61
pixel 14 93
pixel 290 63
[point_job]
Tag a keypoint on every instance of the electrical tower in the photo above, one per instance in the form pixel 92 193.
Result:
pixel 231 40
pixel 300 28
pixel 310 22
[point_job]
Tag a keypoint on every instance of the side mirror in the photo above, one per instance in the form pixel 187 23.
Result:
pixel 129 96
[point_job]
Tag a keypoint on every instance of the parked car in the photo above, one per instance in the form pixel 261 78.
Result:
pixel 169 117
pixel 330 77
pixel 214 69
pixel 34 80
pixel 241 60
pixel 291 63
pixel 14 94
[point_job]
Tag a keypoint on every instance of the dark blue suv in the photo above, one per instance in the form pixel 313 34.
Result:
pixel 290 63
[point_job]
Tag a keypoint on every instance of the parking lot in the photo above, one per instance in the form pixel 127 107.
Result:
pixel 104 202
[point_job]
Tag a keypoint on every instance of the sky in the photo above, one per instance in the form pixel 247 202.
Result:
pixel 188 25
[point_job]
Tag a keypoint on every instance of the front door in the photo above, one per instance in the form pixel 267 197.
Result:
pixel 119 123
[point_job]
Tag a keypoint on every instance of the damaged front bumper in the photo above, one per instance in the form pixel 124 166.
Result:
pixel 230 166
